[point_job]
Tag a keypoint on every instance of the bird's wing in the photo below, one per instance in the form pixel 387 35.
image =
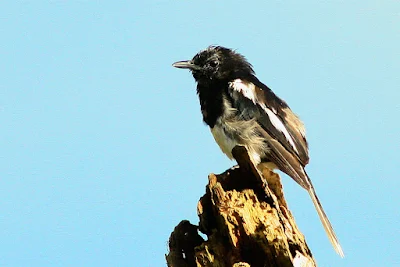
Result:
pixel 287 143
pixel 285 135
pixel 273 114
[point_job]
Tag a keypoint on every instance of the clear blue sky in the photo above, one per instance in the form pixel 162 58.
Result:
pixel 103 150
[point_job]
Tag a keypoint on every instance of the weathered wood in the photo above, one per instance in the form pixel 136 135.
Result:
pixel 246 221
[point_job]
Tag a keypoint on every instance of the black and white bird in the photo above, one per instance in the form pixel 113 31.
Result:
pixel 241 110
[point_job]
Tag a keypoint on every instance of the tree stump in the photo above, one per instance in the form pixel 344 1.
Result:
pixel 246 220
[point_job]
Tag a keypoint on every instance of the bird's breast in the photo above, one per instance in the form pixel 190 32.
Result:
pixel 231 130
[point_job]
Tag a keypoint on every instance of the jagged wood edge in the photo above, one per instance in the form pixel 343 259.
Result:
pixel 219 250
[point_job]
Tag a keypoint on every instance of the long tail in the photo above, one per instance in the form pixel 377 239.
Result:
pixel 325 221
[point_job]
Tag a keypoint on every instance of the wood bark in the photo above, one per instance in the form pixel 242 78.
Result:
pixel 246 220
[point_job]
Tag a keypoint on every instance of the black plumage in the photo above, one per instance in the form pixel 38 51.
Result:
pixel 241 110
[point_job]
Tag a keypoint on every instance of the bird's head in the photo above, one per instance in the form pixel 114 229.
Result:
pixel 216 63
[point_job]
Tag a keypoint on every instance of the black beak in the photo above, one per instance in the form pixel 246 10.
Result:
pixel 186 64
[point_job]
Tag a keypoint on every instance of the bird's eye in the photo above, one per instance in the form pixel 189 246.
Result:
pixel 213 64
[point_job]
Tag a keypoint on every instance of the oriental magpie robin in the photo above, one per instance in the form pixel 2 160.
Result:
pixel 241 110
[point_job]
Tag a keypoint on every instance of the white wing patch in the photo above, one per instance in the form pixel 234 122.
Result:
pixel 248 90
pixel 279 125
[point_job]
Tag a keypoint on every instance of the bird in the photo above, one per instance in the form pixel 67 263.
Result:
pixel 241 110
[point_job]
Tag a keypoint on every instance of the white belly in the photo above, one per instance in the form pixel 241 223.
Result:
pixel 231 130
pixel 225 143
pixel 244 134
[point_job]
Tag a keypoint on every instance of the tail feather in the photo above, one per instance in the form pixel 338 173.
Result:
pixel 325 222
